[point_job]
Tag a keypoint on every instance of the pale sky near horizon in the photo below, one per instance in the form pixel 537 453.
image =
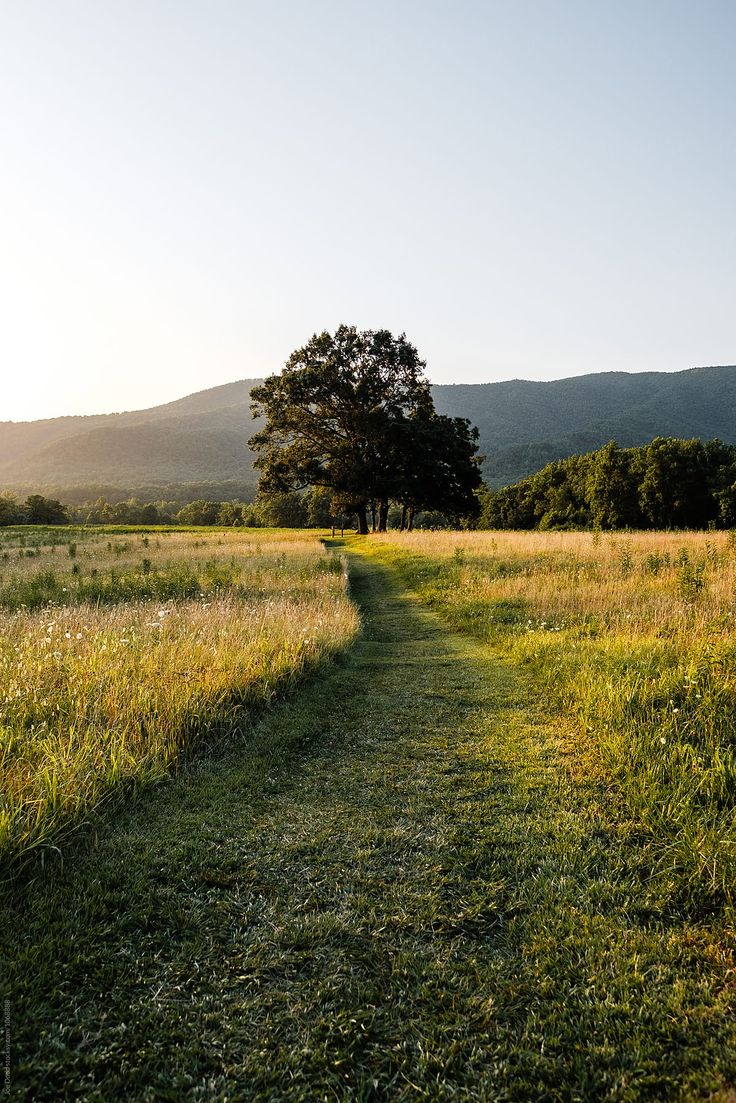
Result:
pixel 528 189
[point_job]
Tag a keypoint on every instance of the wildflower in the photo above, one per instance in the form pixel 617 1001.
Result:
pixel 79 635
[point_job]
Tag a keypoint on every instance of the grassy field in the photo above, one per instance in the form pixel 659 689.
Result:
pixel 632 639
pixel 119 652
pixel 436 872
pixel 393 890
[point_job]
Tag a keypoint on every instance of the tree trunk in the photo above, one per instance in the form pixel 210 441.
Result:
pixel 373 515
pixel 383 516
pixel 403 517
pixel 362 515
pixel 410 526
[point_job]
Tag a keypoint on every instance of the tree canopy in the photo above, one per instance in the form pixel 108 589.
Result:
pixel 352 412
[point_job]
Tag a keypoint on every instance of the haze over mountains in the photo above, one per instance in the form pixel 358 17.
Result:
pixel 197 445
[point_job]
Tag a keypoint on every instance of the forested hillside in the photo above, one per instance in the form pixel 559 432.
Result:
pixel 202 438
pixel 192 447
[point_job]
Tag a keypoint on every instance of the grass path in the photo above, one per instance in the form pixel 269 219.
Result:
pixel 391 892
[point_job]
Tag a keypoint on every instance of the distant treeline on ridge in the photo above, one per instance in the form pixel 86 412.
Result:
pixel 667 484
pixel 310 509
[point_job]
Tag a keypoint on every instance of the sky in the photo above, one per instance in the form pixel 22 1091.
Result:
pixel 528 189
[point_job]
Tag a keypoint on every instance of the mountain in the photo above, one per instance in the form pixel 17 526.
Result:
pixel 525 425
pixel 201 439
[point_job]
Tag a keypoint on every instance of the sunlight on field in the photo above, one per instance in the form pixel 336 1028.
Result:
pixel 633 582
pixel 633 638
pixel 128 649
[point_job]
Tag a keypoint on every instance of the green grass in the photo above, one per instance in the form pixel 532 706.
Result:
pixel 110 687
pixel 644 683
pixel 391 890
pixel 143 581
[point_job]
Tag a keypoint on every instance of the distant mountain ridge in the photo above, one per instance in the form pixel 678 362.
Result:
pixel 201 438
pixel 524 424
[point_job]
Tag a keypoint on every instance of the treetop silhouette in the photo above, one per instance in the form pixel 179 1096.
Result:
pixel 352 411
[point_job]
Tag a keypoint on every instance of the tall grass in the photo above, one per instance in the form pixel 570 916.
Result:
pixel 106 679
pixel 633 639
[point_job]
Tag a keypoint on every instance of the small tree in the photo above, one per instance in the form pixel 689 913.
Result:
pixel 230 513
pixel 283 511
pixel 149 514
pixel 611 490
pixel 199 512
pixel 45 511
pixel 320 511
pixel 11 512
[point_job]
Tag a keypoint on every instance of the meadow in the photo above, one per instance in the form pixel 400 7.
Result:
pixel 120 652
pixel 486 855
pixel 630 639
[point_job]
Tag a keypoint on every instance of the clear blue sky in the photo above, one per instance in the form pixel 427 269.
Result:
pixel 527 189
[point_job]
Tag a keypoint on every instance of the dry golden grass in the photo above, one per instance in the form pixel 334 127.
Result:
pixel 633 638
pixel 647 582
pixel 94 696
pixel 26 552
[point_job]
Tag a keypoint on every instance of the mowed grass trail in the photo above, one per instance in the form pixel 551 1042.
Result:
pixel 390 891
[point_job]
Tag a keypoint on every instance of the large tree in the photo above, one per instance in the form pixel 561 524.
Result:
pixel 435 467
pixel 352 411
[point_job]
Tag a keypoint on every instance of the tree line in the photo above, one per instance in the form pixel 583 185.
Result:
pixel 667 484
pixel 311 508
